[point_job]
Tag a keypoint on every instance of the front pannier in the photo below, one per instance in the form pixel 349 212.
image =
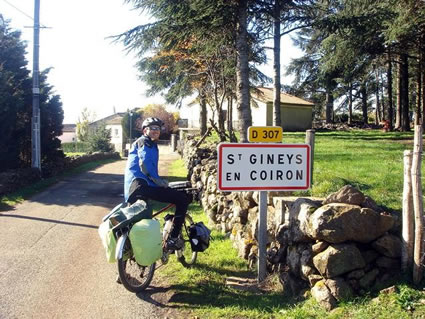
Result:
pixel 199 236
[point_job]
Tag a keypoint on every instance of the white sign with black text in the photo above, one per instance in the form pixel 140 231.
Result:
pixel 245 166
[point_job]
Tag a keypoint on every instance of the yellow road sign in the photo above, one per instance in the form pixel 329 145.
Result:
pixel 268 134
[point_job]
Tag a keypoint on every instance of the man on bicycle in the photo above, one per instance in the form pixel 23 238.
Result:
pixel 142 181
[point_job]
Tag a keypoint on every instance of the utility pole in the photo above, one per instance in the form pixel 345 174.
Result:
pixel 35 135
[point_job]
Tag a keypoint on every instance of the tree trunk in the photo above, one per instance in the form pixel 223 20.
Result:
pixel 230 113
pixel 276 65
pixel 405 93
pixel 378 105
pixel 417 205
pixel 203 115
pixel 399 99
pixel 390 93
pixel 329 101
pixel 408 230
pixel 242 72
pixel 423 90
pixel 418 115
pixel 350 103
pixel 364 103
pixel 383 107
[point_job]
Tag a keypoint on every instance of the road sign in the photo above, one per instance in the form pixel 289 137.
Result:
pixel 245 166
pixel 267 134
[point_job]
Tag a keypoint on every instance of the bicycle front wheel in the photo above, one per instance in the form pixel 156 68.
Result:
pixel 134 278
pixel 186 256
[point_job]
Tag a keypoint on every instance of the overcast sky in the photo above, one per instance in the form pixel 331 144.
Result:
pixel 88 70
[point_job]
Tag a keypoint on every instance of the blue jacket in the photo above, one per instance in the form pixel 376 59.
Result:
pixel 143 155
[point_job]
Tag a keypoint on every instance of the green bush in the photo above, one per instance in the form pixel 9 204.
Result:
pixel 100 140
pixel 73 147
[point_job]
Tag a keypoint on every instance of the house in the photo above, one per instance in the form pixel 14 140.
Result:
pixel 69 133
pixel 113 123
pixel 296 113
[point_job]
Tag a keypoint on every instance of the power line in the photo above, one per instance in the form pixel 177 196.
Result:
pixel 27 15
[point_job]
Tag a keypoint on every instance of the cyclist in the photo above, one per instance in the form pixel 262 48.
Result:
pixel 142 181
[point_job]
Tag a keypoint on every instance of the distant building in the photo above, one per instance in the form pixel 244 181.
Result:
pixel 296 113
pixel 113 123
pixel 69 133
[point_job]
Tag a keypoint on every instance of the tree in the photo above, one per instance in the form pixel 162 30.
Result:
pixel 87 116
pixel 16 106
pixel 100 139
pixel 125 122
pixel 159 111
pixel 14 82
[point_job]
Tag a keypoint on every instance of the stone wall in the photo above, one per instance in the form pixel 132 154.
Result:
pixel 340 246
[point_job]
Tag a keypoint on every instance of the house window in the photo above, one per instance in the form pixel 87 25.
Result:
pixel 116 132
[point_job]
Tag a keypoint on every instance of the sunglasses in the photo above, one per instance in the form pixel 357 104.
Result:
pixel 154 128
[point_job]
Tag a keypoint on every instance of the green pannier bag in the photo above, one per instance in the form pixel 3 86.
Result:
pixel 146 241
pixel 108 240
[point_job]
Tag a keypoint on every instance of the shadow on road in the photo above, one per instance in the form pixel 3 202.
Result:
pixel 48 220
pixel 152 290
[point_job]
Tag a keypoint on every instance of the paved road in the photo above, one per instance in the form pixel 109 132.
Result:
pixel 52 262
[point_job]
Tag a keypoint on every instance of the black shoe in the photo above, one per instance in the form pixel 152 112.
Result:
pixel 174 244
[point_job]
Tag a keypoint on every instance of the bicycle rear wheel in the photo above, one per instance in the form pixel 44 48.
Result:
pixel 135 278
pixel 186 256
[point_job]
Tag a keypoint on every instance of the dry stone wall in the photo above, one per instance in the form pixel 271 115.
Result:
pixel 340 246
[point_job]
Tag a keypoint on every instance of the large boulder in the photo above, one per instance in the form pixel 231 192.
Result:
pixel 338 259
pixel 337 223
pixel 348 195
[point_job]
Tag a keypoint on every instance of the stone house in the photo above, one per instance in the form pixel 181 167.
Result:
pixel 296 113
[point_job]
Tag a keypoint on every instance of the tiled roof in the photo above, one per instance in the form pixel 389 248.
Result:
pixel 68 127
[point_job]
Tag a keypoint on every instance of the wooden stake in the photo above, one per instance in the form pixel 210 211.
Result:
pixel 408 221
pixel 417 204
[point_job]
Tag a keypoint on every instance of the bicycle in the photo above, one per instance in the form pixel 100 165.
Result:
pixel 135 277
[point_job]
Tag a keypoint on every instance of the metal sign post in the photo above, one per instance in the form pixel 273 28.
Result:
pixel 262 236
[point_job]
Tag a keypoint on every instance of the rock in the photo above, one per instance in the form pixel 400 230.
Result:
pixel 293 258
pixel 389 290
pixel 356 274
pixel 369 255
pixel 323 295
pixel 337 223
pixel 319 247
pixel 313 279
pixel 388 263
pixel 367 280
pixel 347 194
pixel 306 264
pixel 370 203
pixel 339 288
pixel 338 259
pixel 292 286
pixel 388 245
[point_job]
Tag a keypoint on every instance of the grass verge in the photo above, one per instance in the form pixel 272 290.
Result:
pixel 10 200
pixel 201 290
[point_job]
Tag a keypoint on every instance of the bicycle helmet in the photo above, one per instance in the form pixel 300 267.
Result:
pixel 152 121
